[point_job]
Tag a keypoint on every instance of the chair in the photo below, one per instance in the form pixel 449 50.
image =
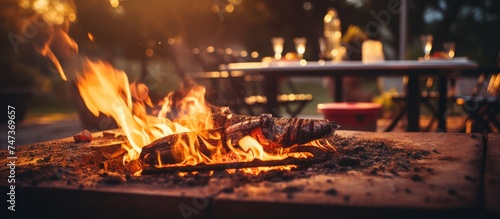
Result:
pixel 427 98
pixel 241 92
pixel 483 105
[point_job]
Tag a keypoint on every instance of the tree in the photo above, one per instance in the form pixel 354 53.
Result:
pixel 473 25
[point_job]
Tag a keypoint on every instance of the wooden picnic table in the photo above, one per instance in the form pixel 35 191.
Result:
pixel 442 69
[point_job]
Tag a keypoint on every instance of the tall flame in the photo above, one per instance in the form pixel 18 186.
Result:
pixel 107 90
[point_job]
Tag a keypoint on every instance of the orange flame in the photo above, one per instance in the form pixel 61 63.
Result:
pixel 107 90
pixel 59 44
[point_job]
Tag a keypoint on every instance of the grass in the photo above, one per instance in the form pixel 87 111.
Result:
pixel 310 86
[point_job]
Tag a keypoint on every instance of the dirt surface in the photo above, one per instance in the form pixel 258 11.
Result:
pixel 65 160
pixel 492 174
pixel 99 163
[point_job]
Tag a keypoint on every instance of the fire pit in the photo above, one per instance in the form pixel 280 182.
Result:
pixel 390 174
pixel 184 158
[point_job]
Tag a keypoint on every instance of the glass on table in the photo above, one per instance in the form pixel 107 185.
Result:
pixel 426 41
pixel 322 48
pixel 449 49
pixel 300 46
pixel 277 46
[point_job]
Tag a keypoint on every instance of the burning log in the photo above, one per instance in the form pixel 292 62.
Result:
pixel 163 150
pixel 273 134
pixel 236 165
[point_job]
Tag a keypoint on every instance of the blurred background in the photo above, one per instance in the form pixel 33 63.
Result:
pixel 153 40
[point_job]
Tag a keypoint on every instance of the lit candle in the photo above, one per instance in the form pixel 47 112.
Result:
pixel 371 51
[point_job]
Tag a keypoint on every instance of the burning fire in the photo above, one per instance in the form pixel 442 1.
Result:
pixel 107 90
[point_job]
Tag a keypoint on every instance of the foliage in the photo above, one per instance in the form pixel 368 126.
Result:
pixel 385 99
pixel 18 66
pixel 473 24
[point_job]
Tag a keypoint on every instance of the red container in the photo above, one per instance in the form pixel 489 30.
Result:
pixel 352 116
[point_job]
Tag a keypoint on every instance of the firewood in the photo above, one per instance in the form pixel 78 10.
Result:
pixel 164 147
pixel 235 165
pixel 273 133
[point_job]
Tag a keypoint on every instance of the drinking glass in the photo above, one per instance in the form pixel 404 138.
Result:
pixel 300 46
pixel 449 49
pixel 322 48
pixel 277 46
pixel 426 41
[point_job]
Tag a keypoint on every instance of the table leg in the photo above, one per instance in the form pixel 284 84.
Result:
pixel 442 102
pixel 413 102
pixel 271 90
pixel 339 88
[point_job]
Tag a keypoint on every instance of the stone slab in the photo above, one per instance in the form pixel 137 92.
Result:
pixel 492 174
pixel 452 187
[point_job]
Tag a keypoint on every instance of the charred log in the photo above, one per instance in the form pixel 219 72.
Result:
pixel 275 132
pixel 163 150
pixel 272 133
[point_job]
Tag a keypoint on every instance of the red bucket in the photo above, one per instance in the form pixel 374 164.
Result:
pixel 352 116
